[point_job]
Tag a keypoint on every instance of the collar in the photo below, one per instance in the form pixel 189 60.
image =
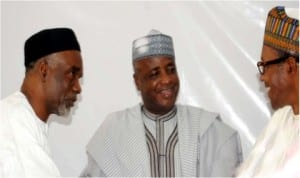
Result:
pixel 155 117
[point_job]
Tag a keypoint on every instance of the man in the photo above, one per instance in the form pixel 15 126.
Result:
pixel 158 138
pixel 53 68
pixel 278 147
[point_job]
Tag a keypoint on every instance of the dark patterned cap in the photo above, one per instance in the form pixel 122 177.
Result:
pixel 282 31
pixel 49 41
pixel 154 44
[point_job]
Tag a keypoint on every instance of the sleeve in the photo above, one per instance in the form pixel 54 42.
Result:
pixel 10 165
pixel 228 157
pixel 92 169
pixel 26 144
pixel 219 151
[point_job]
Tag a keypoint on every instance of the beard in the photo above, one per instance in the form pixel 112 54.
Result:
pixel 63 110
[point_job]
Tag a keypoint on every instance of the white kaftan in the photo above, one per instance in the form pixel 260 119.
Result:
pixel 276 153
pixel 24 149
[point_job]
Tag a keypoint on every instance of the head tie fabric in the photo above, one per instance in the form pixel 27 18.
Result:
pixel 282 31
pixel 49 41
pixel 154 44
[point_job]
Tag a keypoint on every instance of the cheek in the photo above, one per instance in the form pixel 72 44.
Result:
pixel 149 88
pixel 60 86
pixel 279 87
pixel 176 79
pixel 279 79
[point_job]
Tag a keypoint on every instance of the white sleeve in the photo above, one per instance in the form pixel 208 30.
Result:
pixel 92 169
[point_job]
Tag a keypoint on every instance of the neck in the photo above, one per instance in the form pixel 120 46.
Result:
pixel 295 106
pixel 34 100
pixel 295 93
pixel 296 109
pixel 152 115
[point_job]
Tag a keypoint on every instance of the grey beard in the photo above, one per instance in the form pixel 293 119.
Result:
pixel 63 110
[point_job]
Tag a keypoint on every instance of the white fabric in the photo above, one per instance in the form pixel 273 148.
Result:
pixel 217 45
pixel 168 127
pixel 276 149
pixel 207 147
pixel 24 150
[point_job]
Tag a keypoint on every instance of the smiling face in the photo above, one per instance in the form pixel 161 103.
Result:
pixel 157 80
pixel 62 82
pixel 276 79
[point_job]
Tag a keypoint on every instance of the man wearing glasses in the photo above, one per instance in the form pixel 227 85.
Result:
pixel 277 150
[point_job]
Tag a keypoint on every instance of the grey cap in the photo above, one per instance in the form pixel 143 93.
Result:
pixel 154 44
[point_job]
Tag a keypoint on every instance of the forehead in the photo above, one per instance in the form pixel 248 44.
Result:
pixel 69 58
pixel 268 53
pixel 155 61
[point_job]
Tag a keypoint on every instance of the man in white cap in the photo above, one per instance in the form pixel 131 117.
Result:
pixel 158 138
pixel 277 151
pixel 53 68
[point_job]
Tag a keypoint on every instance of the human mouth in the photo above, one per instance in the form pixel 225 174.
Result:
pixel 70 102
pixel 167 93
pixel 268 89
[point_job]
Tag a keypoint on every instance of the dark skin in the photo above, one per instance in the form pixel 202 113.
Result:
pixel 52 84
pixel 281 79
pixel 157 80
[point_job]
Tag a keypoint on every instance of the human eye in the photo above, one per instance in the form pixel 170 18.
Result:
pixel 153 74
pixel 72 74
pixel 171 69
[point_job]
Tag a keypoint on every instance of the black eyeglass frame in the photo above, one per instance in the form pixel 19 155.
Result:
pixel 262 64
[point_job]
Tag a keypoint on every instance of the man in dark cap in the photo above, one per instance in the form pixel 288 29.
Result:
pixel 158 138
pixel 53 68
pixel 277 150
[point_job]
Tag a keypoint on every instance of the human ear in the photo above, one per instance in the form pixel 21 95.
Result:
pixel 43 69
pixel 136 81
pixel 292 65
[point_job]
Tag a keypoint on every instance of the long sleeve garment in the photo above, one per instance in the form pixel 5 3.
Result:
pixel 24 149
pixel 276 152
pixel 203 146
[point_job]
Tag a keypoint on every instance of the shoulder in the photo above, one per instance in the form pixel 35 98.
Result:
pixel 280 116
pixel 122 116
pixel 193 110
pixel 16 125
pixel 15 108
pixel 201 117
pixel 221 128
pixel 196 114
pixel 16 101
pixel 116 122
pixel 286 110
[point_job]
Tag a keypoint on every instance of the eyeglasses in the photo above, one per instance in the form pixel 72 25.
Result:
pixel 261 65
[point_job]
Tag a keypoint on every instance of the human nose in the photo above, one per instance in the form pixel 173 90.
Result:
pixel 166 78
pixel 76 86
pixel 262 77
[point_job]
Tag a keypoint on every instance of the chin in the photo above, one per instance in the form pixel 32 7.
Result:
pixel 276 106
pixel 63 111
pixel 167 107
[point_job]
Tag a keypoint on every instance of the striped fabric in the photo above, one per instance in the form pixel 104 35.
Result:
pixel 282 32
pixel 203 146
pixel 162 138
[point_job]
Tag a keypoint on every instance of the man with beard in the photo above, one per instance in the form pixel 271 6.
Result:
pixel 277 150
pixel 53 68
pixel 158 138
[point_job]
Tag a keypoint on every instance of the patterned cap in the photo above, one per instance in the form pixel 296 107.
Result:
pixel 154 44
pixel 282 31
